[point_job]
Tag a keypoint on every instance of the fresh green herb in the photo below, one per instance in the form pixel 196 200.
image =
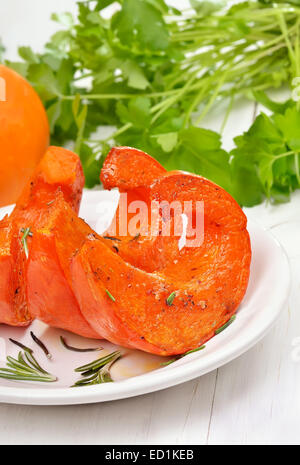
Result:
pixel 76 349
pixel 292 2
pixel 97 372
pixel 26 232
pixel 41 345
pixel 171 298
pixel 109 295
pixel 169 362
pixel 172 68
pixel 266 160
pixel 194 350
pixel 220 330
pixel 25 368
pixel 183 355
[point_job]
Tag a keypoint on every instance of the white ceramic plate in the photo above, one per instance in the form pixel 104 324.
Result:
pixel 139 373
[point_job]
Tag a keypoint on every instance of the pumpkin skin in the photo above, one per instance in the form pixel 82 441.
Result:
pixel 24 134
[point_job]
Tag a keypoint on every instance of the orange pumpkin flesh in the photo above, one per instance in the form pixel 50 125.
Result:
pixel 13 303
pixel 49 291
pixel 59 172
pixel 210 281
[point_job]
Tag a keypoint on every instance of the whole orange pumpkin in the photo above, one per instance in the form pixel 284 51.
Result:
pixel 24 134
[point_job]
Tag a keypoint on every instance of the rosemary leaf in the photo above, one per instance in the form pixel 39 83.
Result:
pixel 110 238
pixel 41 345
pixel 26 232
pixel 181 356
pixel 96 364
pixel 76 349
pixel 171 298
pixel 21 377
pixel 220 330
pixel 165 364
pixel 194 350
pixel 87 381
pixel 31 360
pixel 109 295
pixel 136 237
pixel 17 365
pixel 104 376
pixel 26 349
pixel 29 233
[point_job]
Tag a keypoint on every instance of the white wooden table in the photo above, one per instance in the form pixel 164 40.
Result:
pixel 253 400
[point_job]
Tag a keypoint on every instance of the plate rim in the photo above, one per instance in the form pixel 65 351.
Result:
pixel 158 379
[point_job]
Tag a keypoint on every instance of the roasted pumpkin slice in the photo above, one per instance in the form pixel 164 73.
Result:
pixel 170 297
pixel 59 171
pixel 49 291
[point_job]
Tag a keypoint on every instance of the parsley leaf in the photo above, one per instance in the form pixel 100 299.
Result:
pixel 136 112
pixel 140 24
pixel 200 152
pixel 266 159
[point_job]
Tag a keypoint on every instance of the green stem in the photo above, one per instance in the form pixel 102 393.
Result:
pixel 228 111
pixel 163 106
pixel 213 98
pixel 285 32
pixel 297 51
pixel 283 155
pixel 297 167
pixel 117 96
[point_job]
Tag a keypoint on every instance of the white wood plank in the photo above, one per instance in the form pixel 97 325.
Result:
pixel 257 395
pixel 179 415
pixel 119 422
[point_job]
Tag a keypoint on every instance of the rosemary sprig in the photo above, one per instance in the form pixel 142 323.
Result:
pixel 26 232
pixel 25 368
pixel 97 372
pixel 76 349
pixel 220 330
pixel 41 345
pixel 183 355
pixel 170 299
pixel 110 295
